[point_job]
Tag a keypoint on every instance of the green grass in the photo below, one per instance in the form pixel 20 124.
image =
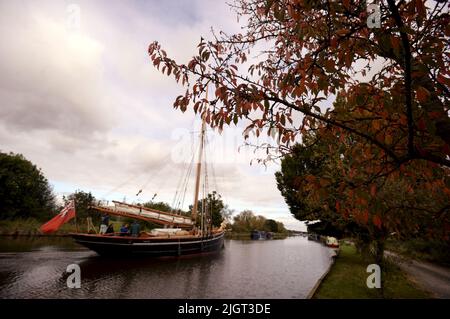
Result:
pixel 10 226
pixel 30 227
pixel 347 280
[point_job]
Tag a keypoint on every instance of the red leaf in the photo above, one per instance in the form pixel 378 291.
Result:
pixel 365 217
pixel 421 124
pixel 342 32
pixel 377 221
pixel 346 4
pixel 376 125
pixel 388 138
pixel 446 149
pixel 421 10
pixel 333 42
pixel 435 114
pixel 373 190
pixel 422 94
pixel 443 80
pixel 395 42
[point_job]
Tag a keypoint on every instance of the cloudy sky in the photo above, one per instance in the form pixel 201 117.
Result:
pixel 82 101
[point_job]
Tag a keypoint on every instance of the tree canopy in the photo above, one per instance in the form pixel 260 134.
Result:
pixel 24 190
pixel 83 201
pixel 247 221
pixel 215 208
pixel 377 97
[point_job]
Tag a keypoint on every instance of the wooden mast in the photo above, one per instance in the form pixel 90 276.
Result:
pixel 199 167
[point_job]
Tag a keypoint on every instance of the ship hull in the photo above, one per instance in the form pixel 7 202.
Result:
pixel 148 246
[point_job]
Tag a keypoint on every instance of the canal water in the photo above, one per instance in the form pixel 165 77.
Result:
pixel 287 268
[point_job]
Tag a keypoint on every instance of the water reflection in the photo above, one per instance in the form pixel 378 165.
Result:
pixel 244 269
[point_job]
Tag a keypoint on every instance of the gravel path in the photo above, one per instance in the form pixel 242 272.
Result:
pixel 431 277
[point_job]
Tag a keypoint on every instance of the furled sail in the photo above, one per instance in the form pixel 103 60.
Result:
pixel 146 214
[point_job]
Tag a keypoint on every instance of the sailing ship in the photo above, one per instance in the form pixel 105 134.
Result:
pixel 181 235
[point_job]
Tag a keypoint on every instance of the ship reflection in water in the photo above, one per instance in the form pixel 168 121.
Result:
pixel 286 268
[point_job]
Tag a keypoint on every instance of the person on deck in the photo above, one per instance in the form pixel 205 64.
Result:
pixel 135 229
pixel 104 224
pixel 124 231
pixel 110 229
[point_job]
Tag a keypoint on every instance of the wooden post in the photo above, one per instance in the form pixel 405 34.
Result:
pixel 90 225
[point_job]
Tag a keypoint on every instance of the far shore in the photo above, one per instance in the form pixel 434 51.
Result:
pixel 246 235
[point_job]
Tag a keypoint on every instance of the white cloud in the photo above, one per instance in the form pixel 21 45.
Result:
pixel 88 107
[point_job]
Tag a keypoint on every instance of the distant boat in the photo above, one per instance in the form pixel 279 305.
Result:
pixel 332 242
pixel 180 237
pixel 260 235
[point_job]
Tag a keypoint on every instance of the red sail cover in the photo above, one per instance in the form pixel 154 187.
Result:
pixel 64 216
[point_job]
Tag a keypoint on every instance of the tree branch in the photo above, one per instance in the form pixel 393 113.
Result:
pixel 407 65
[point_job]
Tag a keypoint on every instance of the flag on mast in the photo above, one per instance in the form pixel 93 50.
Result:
pixel 63 217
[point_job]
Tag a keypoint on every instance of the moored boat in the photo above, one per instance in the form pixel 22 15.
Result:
pixel 332 242
pixel 260 235
pixel 117 245
pixel 182 234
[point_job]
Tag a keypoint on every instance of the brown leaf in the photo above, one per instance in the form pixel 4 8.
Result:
pixel 422 94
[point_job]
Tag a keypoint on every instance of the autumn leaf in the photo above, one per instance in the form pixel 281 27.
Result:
pixel 365 217
pixel 346 4
pixel 377 221
pixel 422 94
pixel 376 124
pixel 329 65
pixel 342 32
pixel 421 124
pixel 395 42
pixel 388 138
pixel 373 190
pixel 333 42
pixel 442 79
pixel 421 10
pixel 446 149
pixel 362 130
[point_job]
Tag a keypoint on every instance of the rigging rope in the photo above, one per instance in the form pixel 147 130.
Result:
pixel 134 176
pixel 153 176
pixel 207 208
pixel 119 186
pixel 180 194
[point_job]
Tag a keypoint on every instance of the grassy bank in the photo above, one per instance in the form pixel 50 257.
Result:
pixel 30 227
pixel 347 279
